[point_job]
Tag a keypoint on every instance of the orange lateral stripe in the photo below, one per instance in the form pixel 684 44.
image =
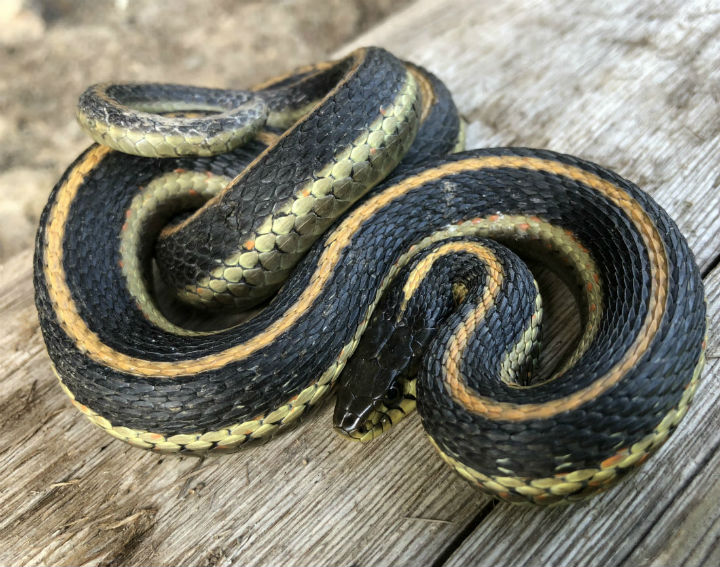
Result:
pixel 507 411
pixel 86 340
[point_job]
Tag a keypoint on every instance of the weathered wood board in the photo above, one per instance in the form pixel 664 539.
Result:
pixel 634 86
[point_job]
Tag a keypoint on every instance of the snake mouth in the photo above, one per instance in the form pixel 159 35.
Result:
pixel 353 417
pixel 351 425
pixel 366 425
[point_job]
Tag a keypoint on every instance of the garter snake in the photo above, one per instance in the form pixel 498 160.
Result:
pixel 422 260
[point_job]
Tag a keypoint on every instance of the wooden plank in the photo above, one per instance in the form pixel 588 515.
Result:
pixel 635 89
pixel 688 530
pixel 634 86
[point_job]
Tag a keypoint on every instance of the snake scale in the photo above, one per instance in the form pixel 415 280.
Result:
pixel 336 202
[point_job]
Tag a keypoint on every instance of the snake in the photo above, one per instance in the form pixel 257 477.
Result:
pixel 378 260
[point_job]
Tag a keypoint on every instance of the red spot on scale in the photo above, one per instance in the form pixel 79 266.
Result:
pixel 523 226
pixel 124 227
pixel 249 244
pixel 383 111
pixel 493 218
pixel 120 263
pixel 589 286
pixel 193 193
pixel 179 170
pixel 615 459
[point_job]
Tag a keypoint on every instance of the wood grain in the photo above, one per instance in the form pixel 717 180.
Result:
pixel 633 86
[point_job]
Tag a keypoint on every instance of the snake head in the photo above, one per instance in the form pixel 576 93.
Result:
pixel 377 387
pixel 363 404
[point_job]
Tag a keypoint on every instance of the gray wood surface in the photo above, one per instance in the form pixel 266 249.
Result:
pixel 635 87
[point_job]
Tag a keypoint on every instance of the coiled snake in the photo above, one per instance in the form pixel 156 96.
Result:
pixel 422 260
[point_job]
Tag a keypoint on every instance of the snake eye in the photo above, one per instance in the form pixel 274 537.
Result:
pixel 392 394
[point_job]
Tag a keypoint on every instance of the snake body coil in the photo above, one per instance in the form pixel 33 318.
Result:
pixel 452 318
